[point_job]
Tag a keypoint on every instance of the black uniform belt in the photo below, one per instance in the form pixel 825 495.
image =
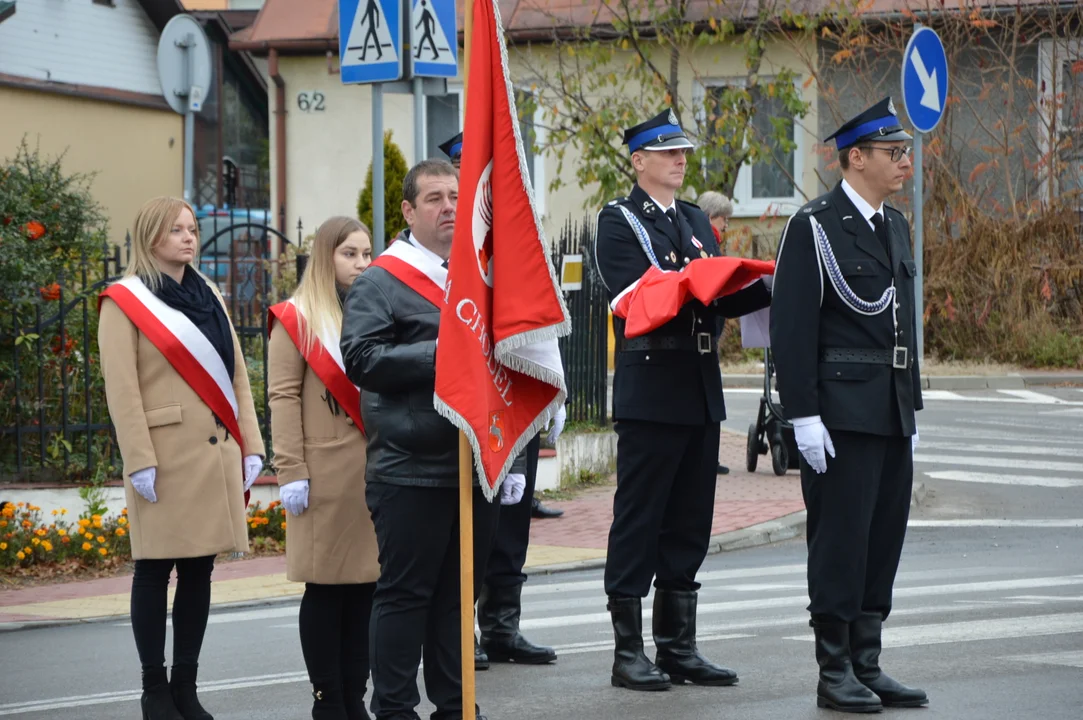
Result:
pixel 700 342
pixel 898 357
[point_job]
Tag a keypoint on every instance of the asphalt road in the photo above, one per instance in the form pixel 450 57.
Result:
pixel 988 617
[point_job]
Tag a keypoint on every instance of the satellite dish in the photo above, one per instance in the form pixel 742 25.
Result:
pixel 184 64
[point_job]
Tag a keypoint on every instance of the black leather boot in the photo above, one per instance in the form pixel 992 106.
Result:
pixel 838 688
pixel 537 510
pixel 631 668
pixel 157 700
pixel 481 660
pixel 499 609
pixel 354 684
pixel 865 655
pixel 182 684
pixel 327 701
pixel 675 639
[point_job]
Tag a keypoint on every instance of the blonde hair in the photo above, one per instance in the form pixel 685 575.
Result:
pixel 152 225
pixel 316 295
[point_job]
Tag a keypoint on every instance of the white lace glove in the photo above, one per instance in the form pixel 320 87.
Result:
pixel 294 496
pixel 813 441
pixel 143 482
pixel 252 465
pixel 555 426
pixel 914 441
pixel 511 492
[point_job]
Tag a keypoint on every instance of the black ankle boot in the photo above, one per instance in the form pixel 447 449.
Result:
pixel 481 659
pixel 499 609
pixel 157 701
pixel 182 684
pixel 675 638
pixel 865 655
pixel 838 688
pixel 327 701
pixel 354 684
pixel 631 668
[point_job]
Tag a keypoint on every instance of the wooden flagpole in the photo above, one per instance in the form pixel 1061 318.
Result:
pixel 466 485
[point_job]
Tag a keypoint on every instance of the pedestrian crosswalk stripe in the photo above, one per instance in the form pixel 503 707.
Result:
pixel 1068 658
pixel 995 479
pixel 993 462
pixel 1070 452
pixel 976 630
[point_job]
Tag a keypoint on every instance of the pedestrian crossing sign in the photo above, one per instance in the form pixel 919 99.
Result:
pixel 369 41
pixel 434 40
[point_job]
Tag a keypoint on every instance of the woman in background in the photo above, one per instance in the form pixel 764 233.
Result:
pixel 319 446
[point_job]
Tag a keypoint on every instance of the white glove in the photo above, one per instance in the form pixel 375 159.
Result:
pixel 555 426
pixel 511 492
pixel 294 496
pixel 769 281
pixel 813 441
pixel 143 482
pixel 914 442
pixel 252 465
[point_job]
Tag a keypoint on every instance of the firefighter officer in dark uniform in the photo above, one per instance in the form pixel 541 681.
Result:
pixel 667 408
pixel 843 335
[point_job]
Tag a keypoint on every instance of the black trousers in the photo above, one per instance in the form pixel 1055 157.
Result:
pixel 416 604
pixel 334 628
pixel 191 606
pixel 857 514
pixel 513 531
pixel 663 508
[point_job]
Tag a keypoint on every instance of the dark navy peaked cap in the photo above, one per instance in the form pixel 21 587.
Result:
pixel 661 132
pixel 453 146
pixel 879 123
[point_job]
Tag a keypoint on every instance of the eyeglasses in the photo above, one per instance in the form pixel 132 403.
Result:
pixel 897 152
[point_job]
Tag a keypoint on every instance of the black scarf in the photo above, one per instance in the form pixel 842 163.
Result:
pixel 193 297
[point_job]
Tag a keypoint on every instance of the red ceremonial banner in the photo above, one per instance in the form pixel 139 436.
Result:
pixel 498 371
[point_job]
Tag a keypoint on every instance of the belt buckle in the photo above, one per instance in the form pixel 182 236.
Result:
pixel 703 343
pixel 900 358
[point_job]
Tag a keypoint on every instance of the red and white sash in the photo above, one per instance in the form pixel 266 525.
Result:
pixel 324 357
pixel 183 344
pixel 415 269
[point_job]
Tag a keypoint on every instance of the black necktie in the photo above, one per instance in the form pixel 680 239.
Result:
pixel 672 215
pixel 881 232
pixel 444 264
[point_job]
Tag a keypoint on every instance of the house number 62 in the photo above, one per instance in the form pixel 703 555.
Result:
pixel 310 102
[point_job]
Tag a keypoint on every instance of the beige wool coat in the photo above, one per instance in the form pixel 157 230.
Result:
pixel 161 422
pixel 333 541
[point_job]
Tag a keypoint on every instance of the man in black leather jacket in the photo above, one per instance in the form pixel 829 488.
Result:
pixel 391 318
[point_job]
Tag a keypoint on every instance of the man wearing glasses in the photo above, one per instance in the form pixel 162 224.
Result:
pixel 843 334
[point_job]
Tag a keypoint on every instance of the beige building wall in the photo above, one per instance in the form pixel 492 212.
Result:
pixel 328 151
pixel 136 152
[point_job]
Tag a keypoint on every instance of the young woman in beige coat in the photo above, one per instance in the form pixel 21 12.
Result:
pixel 319 453
pixel 185 470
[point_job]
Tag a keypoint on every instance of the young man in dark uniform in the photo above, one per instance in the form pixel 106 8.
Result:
pixel 843 334
pixel 667 407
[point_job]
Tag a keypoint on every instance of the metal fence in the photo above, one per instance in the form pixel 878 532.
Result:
pixel 585 351
pixel 54 420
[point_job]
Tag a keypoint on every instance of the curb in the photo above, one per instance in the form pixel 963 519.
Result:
pixel 772 531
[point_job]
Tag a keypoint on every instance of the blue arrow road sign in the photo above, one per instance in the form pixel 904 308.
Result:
pixel 925 79
pixel 434 43
pixel 369 41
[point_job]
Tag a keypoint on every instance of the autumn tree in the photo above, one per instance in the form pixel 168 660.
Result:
pixel 642 56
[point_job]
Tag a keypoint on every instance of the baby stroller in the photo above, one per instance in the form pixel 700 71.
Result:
pixel 771 432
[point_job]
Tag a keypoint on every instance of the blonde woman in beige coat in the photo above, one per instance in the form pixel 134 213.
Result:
pixel 319 453
pixel 178 394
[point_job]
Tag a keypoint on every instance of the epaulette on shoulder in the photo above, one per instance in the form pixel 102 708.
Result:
pixel 814 206
pixel 616 201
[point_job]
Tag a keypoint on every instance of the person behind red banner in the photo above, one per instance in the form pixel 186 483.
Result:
pixel 178 395
pixel 391 318
pixel 320 457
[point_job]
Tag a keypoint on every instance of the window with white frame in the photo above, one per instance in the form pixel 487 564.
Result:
pixel 1060 89
pixel 769 184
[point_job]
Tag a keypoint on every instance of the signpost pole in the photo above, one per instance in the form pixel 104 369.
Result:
pixel 919 254
pixel 378 243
